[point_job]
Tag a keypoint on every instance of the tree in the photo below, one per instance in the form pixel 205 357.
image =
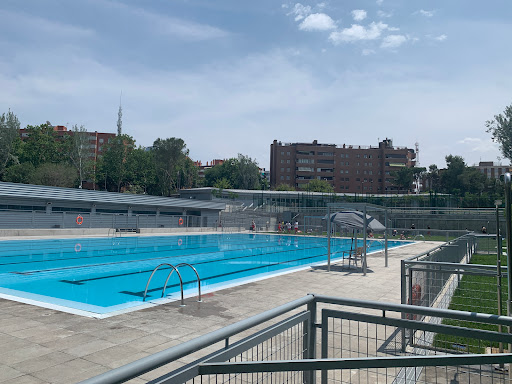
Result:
pixel 451 177
pixel 140 171
pixel 403 178
pixel 19 173
pixel 170 159
pixel 319 186
pixel 501 130
pixel 242 172
pixel 55 175
pixel 78 151
pixel 9 131
pixel 285 187
pixel 433 177
pixel 247 173
pixel 42 146
pixel 112 170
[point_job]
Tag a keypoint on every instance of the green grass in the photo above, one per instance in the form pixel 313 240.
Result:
pixel 475 294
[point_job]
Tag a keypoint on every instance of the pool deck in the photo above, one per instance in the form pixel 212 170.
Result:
pixel 39 345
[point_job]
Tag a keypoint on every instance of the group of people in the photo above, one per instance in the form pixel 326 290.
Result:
pixel 282 227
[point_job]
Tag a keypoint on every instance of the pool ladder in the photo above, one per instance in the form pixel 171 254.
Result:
pixel 174 268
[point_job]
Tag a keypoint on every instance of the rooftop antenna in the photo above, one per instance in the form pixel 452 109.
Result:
pixel 119 117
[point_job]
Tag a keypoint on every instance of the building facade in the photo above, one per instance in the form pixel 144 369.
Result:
pixel 348 168
pixel 492 171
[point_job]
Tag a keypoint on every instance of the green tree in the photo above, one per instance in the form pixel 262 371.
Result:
pixel 42 146
pixel 242 172
pixel 433 177
pixel 77 148
pixel 9 132
pixel 140 171
pixel 451 177
pixel 19 173
pixel 285 187
pixel 55 175
pixel 403 178
pixel 319 186
pixel 501 130
pixel 112 170
pixel 170 159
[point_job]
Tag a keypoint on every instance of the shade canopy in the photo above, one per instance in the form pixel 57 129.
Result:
pixel 355 220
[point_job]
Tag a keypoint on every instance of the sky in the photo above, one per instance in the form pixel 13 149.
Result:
pixel 231 76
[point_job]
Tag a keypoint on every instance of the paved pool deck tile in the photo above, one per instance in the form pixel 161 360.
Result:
pixel 42 346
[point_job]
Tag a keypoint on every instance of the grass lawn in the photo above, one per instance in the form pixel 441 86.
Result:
pixel 475 294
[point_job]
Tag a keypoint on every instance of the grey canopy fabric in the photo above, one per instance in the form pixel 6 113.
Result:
pixel 355 220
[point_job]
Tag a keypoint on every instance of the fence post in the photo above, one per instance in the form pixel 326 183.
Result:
pixel 403 298
pixel 63 219
pixel 310 338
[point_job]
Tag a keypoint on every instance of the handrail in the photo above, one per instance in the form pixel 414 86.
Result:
pixel 174 269
pixel 198 280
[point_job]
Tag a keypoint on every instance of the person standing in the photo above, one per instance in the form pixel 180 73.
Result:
pixel 296 226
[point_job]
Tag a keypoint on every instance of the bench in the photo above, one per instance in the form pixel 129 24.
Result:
pixel 128 229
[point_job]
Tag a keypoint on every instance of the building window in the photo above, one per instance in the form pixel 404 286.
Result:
pixel 365 164
pixel 305 169
pixel 370 164
pixel 282 177
pixel 282 161
pixel 358 179
pixel 287 177
pixel 346 171
pixel 358 155
pixel 287 161
pixel 101 141
pixel 287 169
pixel 365 156
pixel 282 153
pixel 347 179
pixel 342 155
pixel 325 154
pixel 282 169
pixel 288 153
pixel 365 172
pixel 370 172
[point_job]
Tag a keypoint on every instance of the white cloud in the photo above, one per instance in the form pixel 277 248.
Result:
pixel 284 6
pixel 359 14
pixel 392 29
pixel 393 41
pixel 317 22
pixel 379 2
pixel 358 32
pixel 442 37
pixel 383 14
pixel 300 11
pixel 367 52
pixel 426 13
pixel 321 5
pixel 477 144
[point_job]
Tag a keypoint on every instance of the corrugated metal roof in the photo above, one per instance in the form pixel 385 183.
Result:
pixel 29 191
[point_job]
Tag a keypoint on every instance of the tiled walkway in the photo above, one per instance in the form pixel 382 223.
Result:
pixel 40 345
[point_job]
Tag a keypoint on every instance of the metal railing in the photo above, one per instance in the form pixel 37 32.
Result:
pixel 358 341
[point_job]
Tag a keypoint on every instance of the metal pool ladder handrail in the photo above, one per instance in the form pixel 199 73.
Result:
pixel 174 268
pixel 198 280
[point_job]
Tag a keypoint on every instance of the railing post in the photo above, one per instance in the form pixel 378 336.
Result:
pixel 403 298
pixel 310 339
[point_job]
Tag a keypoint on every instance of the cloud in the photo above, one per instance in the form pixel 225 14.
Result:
pixel 359 14
pixel 442 37
pixel 426 13
pixel 321 5
pixel 317 22
pixel 300 11
pixel 379 2
pixel 367 52
pixel 477 144
pixel 393 41
pixel 383 14
pixel 37 26
pixel 358 32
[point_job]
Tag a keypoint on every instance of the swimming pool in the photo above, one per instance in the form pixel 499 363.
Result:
pixel 102 275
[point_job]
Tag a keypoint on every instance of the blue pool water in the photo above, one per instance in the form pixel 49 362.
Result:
pixel 104 275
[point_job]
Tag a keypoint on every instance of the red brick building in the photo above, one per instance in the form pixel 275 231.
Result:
pixel 348 168
pixel 97 140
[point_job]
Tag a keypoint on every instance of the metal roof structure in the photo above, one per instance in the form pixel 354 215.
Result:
pixel 49 194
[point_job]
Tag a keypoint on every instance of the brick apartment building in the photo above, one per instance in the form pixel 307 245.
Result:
pixel 492 171
pixel 97 140
pixel 348 168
